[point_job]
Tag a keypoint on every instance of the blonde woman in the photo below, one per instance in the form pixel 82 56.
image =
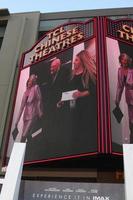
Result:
pixel 31 105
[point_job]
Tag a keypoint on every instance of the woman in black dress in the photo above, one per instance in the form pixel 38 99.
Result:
pixel 84 105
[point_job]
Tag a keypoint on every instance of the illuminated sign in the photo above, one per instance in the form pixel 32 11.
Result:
pixel 119 42
pixel 57 40
pixel 65 104
pixel 126 33
pixel 55 110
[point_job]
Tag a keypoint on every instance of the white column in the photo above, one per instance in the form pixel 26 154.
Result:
pixel 11 182
pixel 128 170
pixel 1 180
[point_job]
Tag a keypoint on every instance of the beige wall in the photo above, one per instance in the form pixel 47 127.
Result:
pixel 20 35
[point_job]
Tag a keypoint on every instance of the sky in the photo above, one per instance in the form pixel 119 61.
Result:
pixel 46 6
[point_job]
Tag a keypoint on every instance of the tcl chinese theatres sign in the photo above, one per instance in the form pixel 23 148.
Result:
pixel 55 41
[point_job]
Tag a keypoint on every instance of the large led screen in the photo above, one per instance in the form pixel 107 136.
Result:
pixel 120 73
pixel 56 103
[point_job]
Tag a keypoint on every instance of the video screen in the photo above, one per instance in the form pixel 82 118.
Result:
pixel 120 69
pixel 55 110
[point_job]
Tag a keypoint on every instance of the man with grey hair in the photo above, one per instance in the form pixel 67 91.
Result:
pixel 59 76
pixel 55 67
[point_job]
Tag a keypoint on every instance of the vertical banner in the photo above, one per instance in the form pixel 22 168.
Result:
pixel 119 45
pixel 55 109
pixel 128 170
pixel 12 179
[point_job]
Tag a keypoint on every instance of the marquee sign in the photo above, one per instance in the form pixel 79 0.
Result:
pixel 59 39
pixel 69 100
pixel 56 102
pixel 121 29
pixel 119 42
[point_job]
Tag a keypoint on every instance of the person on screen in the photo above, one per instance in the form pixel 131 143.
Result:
pixel 85 71
pixel 31 105
pixel 125 80
pixel 59 75
pixel 83 112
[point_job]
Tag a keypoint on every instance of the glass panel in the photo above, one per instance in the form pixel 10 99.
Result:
pixel 50 24
pixel 47 25
pixel 121 17
pixel 41 34
pixel 2 31
pixel 79 19
pixel 1 39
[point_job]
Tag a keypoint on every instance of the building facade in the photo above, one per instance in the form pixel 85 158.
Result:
pixel 21 32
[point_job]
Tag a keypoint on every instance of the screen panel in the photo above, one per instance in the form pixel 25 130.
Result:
pixel 56 105
pixel 119 45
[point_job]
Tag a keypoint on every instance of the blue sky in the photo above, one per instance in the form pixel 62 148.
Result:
pixel 61 5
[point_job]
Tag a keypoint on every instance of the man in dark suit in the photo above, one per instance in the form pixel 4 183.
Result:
pixel 59 76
